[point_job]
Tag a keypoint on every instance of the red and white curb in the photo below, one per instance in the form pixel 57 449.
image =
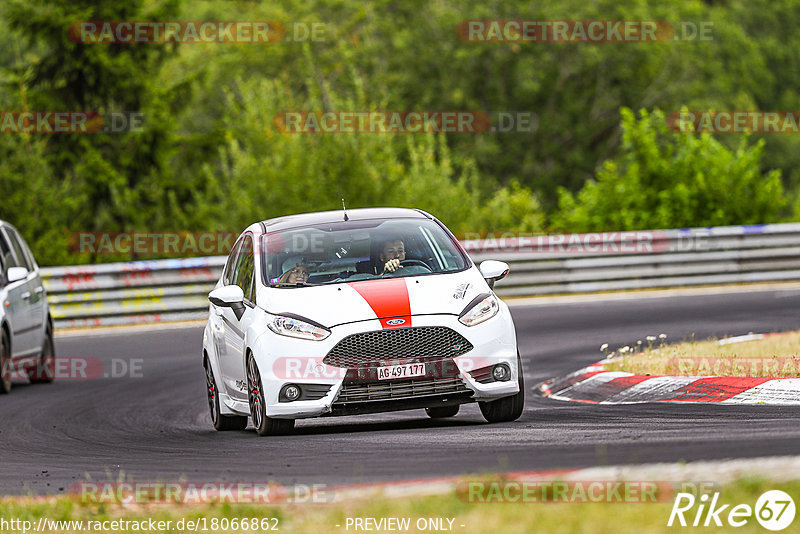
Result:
pixel 597 385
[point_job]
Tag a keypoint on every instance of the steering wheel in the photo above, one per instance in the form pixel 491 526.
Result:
pixel 416 262
pixel 408 263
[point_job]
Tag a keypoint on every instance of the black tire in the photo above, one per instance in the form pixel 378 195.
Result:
pixel 508 408
pixel 265 426
pixel 45 370
pixel 440 412
pixel 221 422
pixel 5 363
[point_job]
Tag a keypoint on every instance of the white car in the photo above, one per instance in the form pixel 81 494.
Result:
pixel 26 328
pixel 364 311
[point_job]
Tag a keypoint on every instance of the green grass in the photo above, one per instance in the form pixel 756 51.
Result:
pixel 564 518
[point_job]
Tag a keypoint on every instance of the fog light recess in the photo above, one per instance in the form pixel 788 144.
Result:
pixel 501 372
pixel 290 392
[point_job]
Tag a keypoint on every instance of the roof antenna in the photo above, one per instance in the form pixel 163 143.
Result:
pixel 344 209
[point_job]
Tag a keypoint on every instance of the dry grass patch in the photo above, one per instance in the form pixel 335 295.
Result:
pixel 774 356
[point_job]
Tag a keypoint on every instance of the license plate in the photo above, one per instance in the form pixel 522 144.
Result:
pixel 408 370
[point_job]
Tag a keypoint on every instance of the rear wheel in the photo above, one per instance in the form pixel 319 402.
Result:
pixel 507 408
pixel 221 422
pixel 441 412
pixel 265 426
pixel 5 363
pixel 45 370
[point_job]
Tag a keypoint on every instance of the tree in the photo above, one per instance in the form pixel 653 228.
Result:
pixel 664 179
pixel 124 180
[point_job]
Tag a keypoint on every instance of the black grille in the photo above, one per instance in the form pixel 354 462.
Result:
pixel 415 344
pixel 399 389
pixel 313 391
pixel 483 375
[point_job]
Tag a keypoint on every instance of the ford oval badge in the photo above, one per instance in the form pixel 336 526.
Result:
pixel 394 322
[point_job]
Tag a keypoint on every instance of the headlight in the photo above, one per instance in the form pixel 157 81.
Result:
pixel 483 310
pixel 289 326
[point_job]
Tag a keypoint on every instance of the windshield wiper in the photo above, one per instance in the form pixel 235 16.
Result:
pixel 297 284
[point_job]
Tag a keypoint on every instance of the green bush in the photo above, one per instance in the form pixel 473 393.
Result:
pixel 664 179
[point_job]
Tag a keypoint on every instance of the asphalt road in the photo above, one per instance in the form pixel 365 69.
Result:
pixel 156 426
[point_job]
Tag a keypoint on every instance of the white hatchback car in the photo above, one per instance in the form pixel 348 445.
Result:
pixel 367 311
pixel 26 328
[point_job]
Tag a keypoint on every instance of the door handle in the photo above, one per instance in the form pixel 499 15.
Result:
pixel 26 295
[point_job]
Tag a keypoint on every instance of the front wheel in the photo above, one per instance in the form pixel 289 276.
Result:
pixel 5 363
pixel 45 370
pixel 508 408
pixel 221 422
pixel 265 426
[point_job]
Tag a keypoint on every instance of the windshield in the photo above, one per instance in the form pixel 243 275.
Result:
pixel 358 250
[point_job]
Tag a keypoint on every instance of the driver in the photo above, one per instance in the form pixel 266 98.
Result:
pixel 392 253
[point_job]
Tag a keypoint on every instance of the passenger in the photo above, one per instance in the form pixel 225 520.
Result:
pixel 294 271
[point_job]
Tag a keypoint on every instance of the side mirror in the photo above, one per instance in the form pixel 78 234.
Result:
pixel 16 273
pixel 493 271
pixel 228 297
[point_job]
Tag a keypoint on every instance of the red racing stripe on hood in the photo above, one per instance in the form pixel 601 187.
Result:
pixel 388 299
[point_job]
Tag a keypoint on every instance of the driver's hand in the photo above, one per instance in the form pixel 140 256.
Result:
pixel 392 265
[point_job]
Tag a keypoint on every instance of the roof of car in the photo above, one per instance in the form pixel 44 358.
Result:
pixel 322 217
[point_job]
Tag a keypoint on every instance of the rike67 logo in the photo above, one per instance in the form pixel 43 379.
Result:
pixel 774 510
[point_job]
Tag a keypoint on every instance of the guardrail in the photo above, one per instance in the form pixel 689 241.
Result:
pixel 172 290
pixel 132 292
pixel 641 260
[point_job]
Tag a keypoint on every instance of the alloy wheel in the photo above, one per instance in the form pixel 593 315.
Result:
pixel 211 389
pixel 255 393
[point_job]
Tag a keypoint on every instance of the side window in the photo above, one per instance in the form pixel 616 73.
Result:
pixel 230 265
pixel 22 259
pixel 32 266
pixel 6 259
pixel 245 267
pixel 29 253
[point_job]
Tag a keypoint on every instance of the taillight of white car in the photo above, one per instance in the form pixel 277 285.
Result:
pixel 480 312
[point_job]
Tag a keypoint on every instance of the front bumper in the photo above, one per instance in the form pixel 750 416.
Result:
pixel 357 390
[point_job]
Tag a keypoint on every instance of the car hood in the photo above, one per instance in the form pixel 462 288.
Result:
pixel 388 299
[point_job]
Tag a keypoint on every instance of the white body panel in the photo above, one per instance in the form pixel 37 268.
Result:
pixel 23 304
pixel 433 300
